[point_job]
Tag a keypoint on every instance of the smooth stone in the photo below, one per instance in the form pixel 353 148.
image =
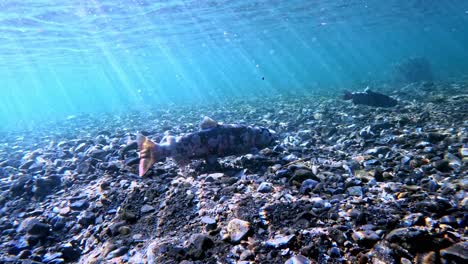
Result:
pixel 334 252
pixel 282 173
pixel 265 187
pixel 210 223
pixel 79 205
pixel 117 253
pixel 48 257
pixel 454 162
pixel 371 162
pixel 337 235
pixel 457 253
pixel 246 255
pixel 70 253
pixel 280 241
pixel 124 230
pixel 384 252
pixel 412 238
pixel 64 211
pixel 442 165
pixel 464 152
pixel 24 254
pixel 113 230
pixel 365 238
pixel 57 261
pixel 86 218
pixel 146 209
pixel 81 147
pixel 317 202
pixel 238 230
pixel 98 154
pixel 298 259
pixel 137 237
pixel 413 220
pixel 58 222
pixel 449 220
pixel 308 185
pixel 377 151
pixel 355 191
pixel 34 227
pixel 131 146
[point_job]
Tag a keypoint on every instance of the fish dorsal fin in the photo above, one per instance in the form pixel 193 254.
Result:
pixel 208 123
pixel 368 90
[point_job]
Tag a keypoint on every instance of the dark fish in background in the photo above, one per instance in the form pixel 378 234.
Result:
pixel 212 141
pixel 370 98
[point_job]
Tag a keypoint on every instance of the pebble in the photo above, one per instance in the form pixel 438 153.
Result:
pixel 280 241
pixel 34 227
pixel 449 220
pixel 86 218
pixel 124 230
pixel 457 253
pixel 265 187
pixel 334 252
pixel 308 186
pixel 238 230
pixel 299 259
pixel 442 165
pixel 70 252
pixel 48 257
pixel 355 191
pixel 146 209
pixel 81 147
pixel 64 211
pixel 24 254
pixel 117 253
pixel 210 223
pixel 365 238
pixel 464 152
pixel 79 205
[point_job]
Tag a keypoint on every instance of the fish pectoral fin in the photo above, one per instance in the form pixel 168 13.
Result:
pixel 147 154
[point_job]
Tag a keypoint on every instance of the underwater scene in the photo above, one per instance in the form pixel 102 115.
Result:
pixel 238 132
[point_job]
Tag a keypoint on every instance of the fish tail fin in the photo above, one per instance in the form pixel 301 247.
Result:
pixel 148 155
pixel 347 95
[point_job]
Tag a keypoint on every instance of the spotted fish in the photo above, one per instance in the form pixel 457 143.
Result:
pixel 212 141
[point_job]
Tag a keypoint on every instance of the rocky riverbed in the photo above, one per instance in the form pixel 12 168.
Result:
pixel 342 184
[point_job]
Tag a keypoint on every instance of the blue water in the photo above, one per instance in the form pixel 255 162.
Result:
pixel 60 58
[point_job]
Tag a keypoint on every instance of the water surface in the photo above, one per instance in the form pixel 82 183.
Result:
pixel 59 58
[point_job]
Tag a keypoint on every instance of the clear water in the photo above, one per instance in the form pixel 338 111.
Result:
pixel 59 58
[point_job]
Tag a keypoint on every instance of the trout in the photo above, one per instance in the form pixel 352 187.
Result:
pixel 370 98
pixel 212 141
